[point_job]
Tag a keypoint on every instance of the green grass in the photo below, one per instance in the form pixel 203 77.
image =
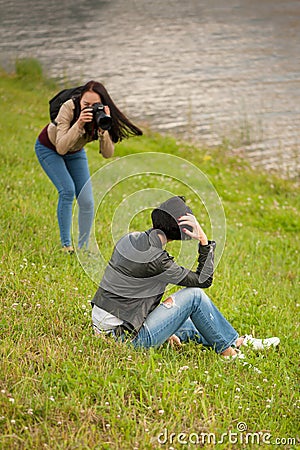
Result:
pixel 64 388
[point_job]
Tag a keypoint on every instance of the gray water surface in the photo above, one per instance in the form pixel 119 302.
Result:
pixel 207 71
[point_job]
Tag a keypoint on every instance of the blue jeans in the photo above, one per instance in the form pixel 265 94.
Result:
pixel 192 317
pixel 69 173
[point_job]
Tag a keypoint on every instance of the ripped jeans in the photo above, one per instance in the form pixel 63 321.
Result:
pixel 191 315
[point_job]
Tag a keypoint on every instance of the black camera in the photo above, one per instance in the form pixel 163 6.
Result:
pixel 101 119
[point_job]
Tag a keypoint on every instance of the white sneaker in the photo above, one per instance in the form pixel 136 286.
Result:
pixel 260 344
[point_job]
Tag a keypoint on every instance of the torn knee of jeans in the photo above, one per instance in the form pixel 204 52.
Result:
pixel 169 302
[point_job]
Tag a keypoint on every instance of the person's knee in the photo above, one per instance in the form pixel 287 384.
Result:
pixel 85 199
pixel 67 193
pixel 196 292
pixel 199 295
pixel 86 204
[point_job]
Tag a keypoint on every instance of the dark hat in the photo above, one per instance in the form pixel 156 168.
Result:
pixel 165 218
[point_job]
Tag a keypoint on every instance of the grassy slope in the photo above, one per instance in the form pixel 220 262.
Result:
pixel 62 388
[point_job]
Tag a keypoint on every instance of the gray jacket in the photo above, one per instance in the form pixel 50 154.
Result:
pixel 138 272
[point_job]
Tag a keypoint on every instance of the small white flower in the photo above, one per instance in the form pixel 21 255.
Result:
pixel 13 421
pixel 12 400
pixel 51 398
pixel 161 412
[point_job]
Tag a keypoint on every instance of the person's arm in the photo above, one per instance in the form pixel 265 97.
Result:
pixel 203 276
pixel 171 272
pixel 106 145
pixel 66 136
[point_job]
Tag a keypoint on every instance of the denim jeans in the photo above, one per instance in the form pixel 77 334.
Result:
pixel 69 173
pixel 191 316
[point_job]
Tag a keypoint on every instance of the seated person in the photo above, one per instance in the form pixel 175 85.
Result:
pixel 128 302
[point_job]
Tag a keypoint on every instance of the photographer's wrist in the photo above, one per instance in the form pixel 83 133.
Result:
pixel 80 126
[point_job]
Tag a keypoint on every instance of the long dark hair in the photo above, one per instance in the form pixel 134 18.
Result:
pixel 121 127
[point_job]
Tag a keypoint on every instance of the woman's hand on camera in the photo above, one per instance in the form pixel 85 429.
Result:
pixel 107 110
pixel 86 115
pixel 197 232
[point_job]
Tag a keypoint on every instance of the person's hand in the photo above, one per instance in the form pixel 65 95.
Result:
pixel 197 232
pixel 174 341
pixel 86 115
pixel 107 110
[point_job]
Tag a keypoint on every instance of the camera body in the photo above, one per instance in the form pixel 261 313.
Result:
pixel 100 118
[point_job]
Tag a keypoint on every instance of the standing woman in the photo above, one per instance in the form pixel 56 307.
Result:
pixel 59 148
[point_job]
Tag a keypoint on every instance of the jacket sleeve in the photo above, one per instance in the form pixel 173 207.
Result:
pixel 66 136
pixel 202 277
pixel 106 145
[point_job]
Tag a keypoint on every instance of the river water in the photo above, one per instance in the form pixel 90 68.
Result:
pixel 209 71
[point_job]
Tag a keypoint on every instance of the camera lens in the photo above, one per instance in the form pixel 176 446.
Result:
pixel 105 122
pixel 102 120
